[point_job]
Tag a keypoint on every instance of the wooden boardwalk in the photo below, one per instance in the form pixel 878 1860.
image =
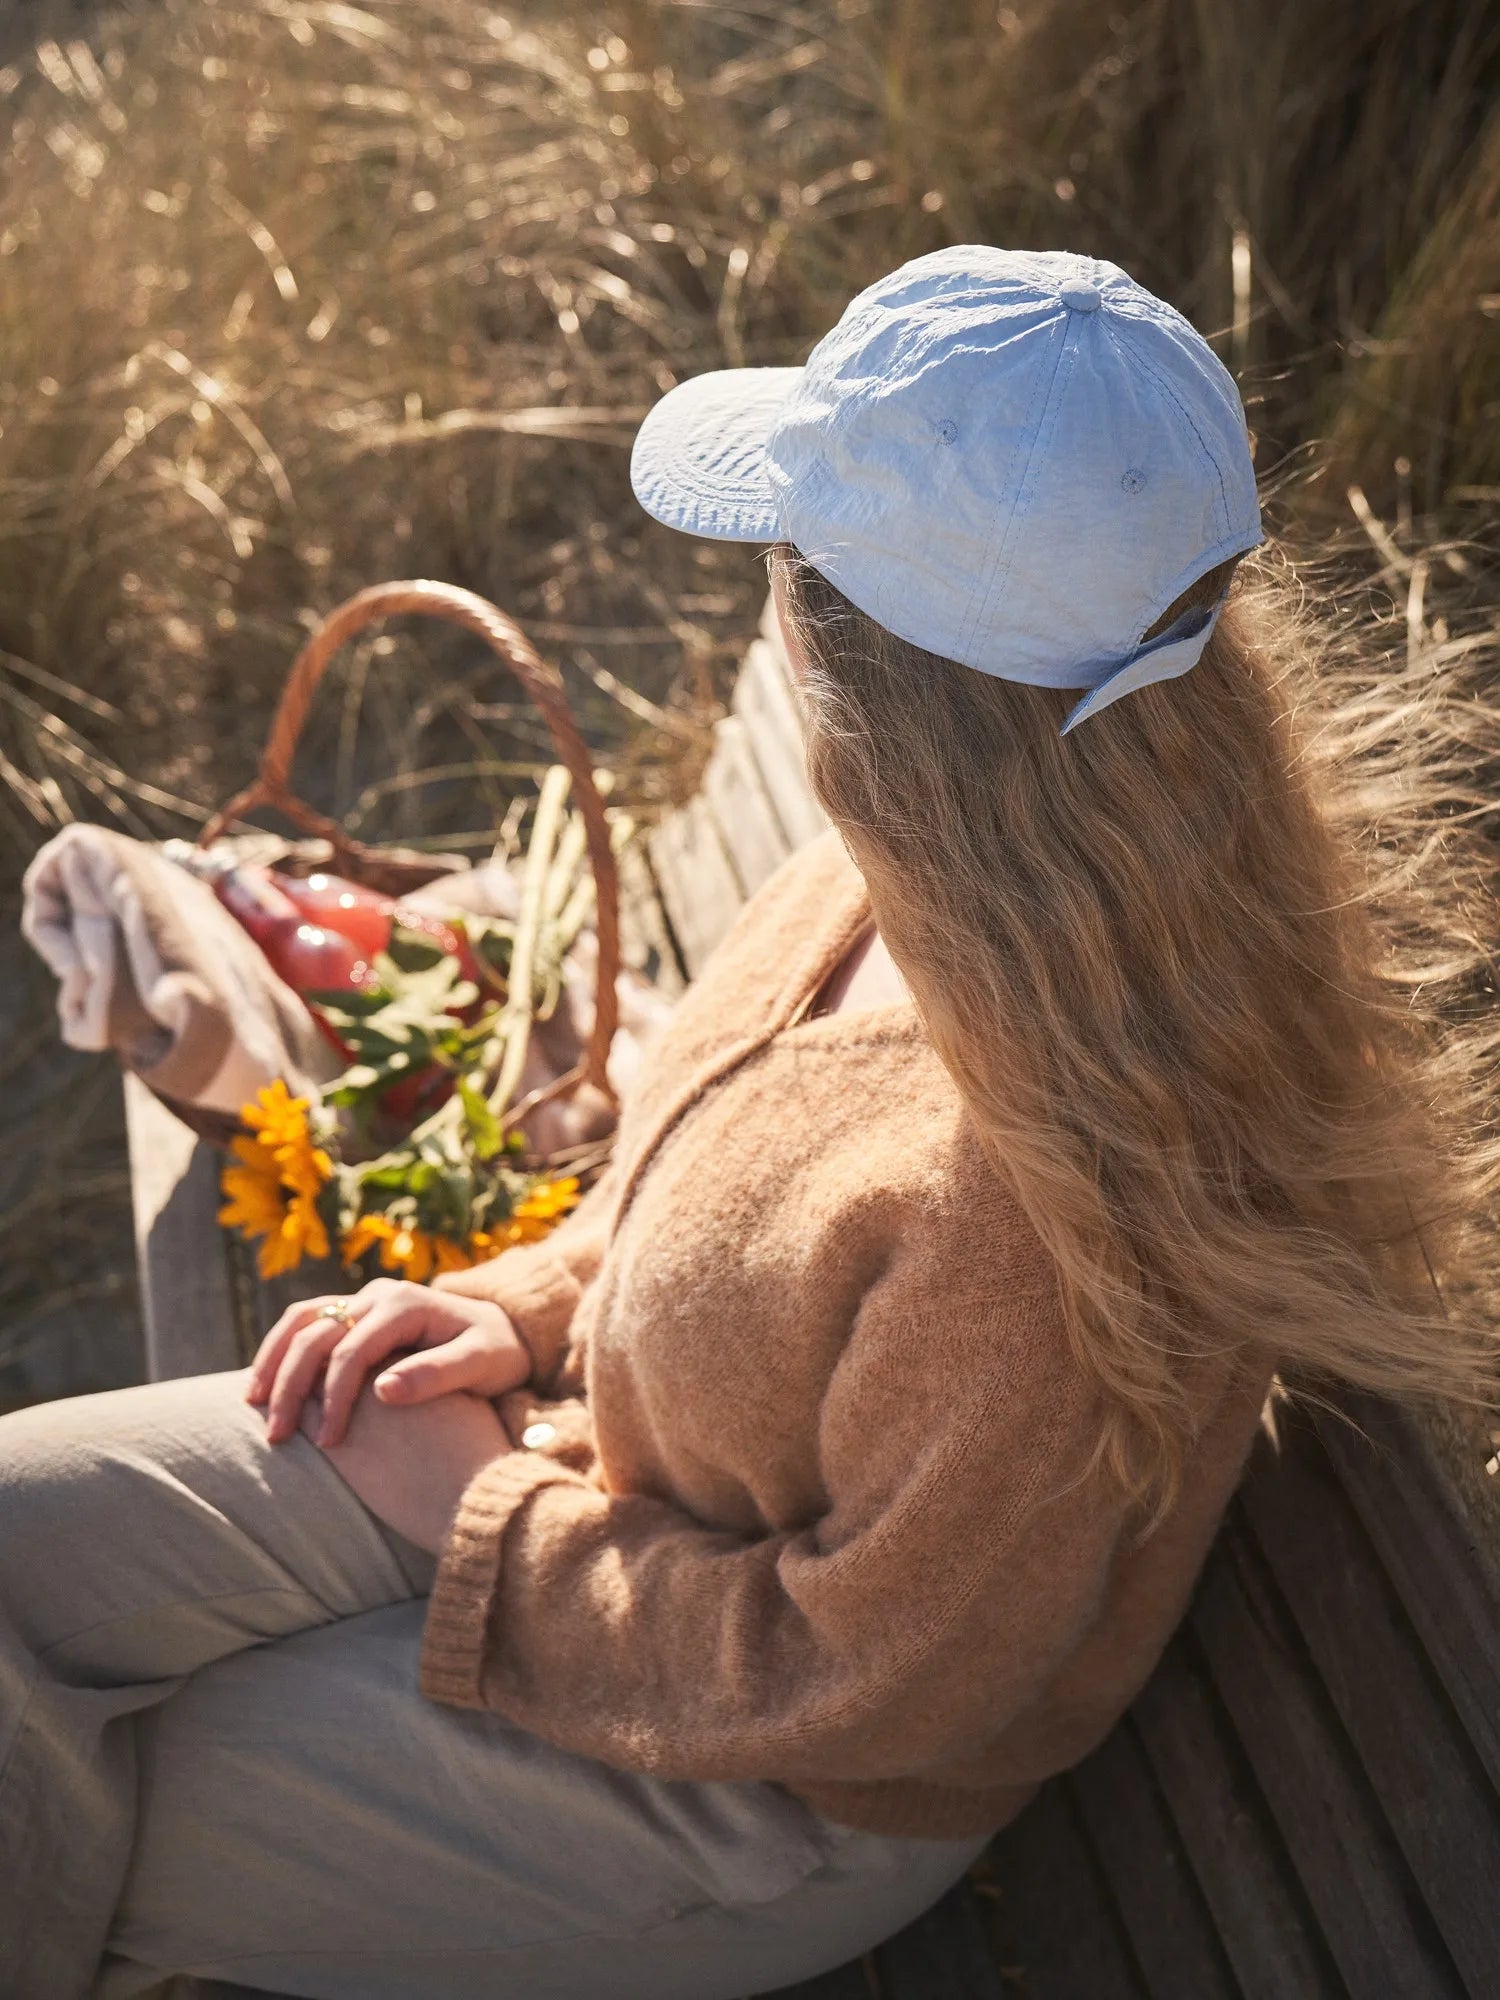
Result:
pixel 1304 1803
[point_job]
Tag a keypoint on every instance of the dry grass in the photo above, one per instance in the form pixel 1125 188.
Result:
pixel 296 295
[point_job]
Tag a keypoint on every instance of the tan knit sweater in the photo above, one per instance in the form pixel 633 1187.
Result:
pixel 810 1396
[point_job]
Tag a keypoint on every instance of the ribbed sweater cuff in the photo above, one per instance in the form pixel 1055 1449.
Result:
pixel 535 1288
pixel 454 1633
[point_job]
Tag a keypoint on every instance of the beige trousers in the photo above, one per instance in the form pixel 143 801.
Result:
pixel 214 1759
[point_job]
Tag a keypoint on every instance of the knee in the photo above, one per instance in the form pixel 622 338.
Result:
pixel 48 1463
pixel 79 1459
pixel 52 1457
pixel 40 1451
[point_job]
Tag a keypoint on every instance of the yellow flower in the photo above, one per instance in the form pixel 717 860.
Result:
pixel 279 1121
pixel 259 1203
pixel 448 1255
pixel 419 1253
pixel 255 1195
pixel 272 1191
pixel 550 1200
pixel 415 1253
pixel 275 1114
pixel 365 1234
pixel 533 1216
pixel 408 1251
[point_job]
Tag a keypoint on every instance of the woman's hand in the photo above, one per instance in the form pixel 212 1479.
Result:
pixel 461 1344
pixel 410 1467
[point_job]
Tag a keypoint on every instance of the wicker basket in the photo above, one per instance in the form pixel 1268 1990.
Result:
pixel 396 871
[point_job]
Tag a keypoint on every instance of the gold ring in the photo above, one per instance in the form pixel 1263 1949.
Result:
pixel 340 1311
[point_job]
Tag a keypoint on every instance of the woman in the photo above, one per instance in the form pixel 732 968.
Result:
pixel 676 1606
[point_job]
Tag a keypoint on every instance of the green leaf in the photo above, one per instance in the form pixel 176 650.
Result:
pixel 414 951
pixel 493 940
pixel 483 1126
pixel 458 1191
pixel 349 1003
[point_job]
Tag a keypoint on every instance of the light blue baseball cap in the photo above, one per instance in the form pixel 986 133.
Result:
pixel 1016 459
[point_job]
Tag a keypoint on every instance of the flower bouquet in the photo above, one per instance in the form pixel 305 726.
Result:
pixel 434 1022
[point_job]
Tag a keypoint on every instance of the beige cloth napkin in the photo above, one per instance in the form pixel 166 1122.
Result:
pixel 151 965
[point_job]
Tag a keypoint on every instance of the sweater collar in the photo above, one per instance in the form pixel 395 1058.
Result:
pixel 837 891
pixel 832 907
pixel 755 983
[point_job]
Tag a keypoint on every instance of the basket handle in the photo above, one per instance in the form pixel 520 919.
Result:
pixel 541 680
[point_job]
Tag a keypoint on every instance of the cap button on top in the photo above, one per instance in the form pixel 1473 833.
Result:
pixel 1079 296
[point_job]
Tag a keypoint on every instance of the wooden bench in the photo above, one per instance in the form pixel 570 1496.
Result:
pixel 1305 1800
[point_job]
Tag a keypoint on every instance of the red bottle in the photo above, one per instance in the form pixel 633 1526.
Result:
pixel 366 916
pixel 363 915
pixel 310 957
pixel 321 932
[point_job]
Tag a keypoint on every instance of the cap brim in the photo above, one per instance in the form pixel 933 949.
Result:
pixel 698 462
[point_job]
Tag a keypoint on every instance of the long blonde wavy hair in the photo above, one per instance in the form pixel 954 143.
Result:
pixel 1213 975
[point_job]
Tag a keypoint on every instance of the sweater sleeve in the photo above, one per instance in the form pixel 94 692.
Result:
pixel 916 1614
pixel 539 1284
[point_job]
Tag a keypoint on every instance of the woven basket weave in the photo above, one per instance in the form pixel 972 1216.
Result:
pixel 396 871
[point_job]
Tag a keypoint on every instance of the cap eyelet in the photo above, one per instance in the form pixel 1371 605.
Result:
pixel 947 430
pixel 1133 480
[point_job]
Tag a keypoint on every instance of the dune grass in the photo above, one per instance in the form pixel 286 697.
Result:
pixel 300 295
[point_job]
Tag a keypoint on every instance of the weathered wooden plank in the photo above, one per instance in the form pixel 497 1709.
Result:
pixel 187 1300
pixel 752 834
pixel 1231 1843
pixel 1408 1738
pixel 848 1982
pixel 764 701
pixel 1350 1866
pixel 1456 1443
pixel 185 1987
pixel 699 889
pixel 943 1955
pixel 1159 1901
pixel 1429 1552
pixel 1054 1927
pixel 646 937
pixel 659 960
pixel 768 628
